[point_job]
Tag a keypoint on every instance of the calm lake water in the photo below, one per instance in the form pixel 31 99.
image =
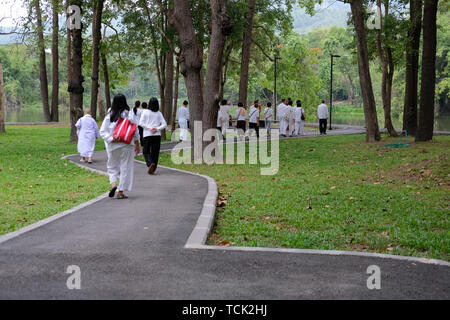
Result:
pixel 36 115
pixel 440 123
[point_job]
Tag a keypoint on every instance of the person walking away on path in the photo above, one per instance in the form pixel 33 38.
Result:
pixel 322 115
pixel 153 122
pixel 268 115
pixel 120 155
pixel 241 115
pixel 220 121
pixel 136 115
pixel 299 119
pixel 253 120
pixel 183 118
pixel 291 118
pixel 281 110
pixel 225 110
pixel 87 131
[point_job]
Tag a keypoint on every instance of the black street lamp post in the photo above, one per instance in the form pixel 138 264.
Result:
pixel 275 58
pixel 331 85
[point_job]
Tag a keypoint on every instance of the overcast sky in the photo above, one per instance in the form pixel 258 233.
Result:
pixel 9 10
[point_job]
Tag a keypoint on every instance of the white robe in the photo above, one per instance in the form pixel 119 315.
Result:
pixel 120 155
pixel 183 117
pixel 291 120
pixel 87 131
pixel 299 124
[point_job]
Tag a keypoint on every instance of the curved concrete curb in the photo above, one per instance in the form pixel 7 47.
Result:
pixel 205 221
pixel 198 236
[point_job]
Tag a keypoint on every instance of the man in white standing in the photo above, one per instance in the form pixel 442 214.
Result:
pixel 281 115
pixel 268 115
pixel 253 120
pixel 225 111
pixel 322 114
pixel 183 118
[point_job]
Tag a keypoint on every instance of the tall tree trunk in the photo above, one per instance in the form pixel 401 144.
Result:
pixel 55 62
pixel 412 67
pixel 220 28
pixel 175 98
pixel 42 63
pixel 2 101
pixel 190 58
pixel 428 76
pixel 191 64
pixel 384 53
pixel 75 77
pixel 370 111
pixel 246 47
pixel 106 79
pixel 100 103
pixel 388 94
pixel 168 91
pixel 96 38
pixel 105 73
pixel 224 72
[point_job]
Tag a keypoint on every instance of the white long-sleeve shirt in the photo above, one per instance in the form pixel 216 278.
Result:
pixel 322 111
pixel 135 117
pixel 280 111
pixel 183 114
pixel 107 131
pixel 268 113
pixel 298 114
pixel 220 120
pixel 253 114
pixel 150 120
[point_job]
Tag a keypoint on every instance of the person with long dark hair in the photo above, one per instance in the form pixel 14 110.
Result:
pixel 299 115
pixel 120 155
pixel 153 122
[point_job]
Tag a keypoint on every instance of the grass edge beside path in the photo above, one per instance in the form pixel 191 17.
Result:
pixel 337 193
pixel 35 182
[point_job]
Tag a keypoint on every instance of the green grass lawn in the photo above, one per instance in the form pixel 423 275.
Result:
pixel 34 182
pixel 338 193
pixel 334 192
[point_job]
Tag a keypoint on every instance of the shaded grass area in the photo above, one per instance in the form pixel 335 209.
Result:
pixel 337 192
pixel 34 182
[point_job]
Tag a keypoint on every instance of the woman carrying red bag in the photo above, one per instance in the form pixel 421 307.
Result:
pixel 120 155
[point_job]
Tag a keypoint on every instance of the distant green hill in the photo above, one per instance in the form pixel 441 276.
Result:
pixel 330 13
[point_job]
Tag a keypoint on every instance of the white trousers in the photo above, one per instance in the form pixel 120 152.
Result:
pixel 283 126
pixel 121 165
pixel 291 127
pixel 268 125
pixel 183 130
pixel 299 126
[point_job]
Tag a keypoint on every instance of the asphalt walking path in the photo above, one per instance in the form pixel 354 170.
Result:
pixel 134 249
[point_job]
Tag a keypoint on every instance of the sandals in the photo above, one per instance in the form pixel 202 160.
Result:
pixel 112 192
pixel 122 196
pixel 152 168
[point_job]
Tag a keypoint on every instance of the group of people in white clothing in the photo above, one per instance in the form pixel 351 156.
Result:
pixel 292 119
pixel 147 123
